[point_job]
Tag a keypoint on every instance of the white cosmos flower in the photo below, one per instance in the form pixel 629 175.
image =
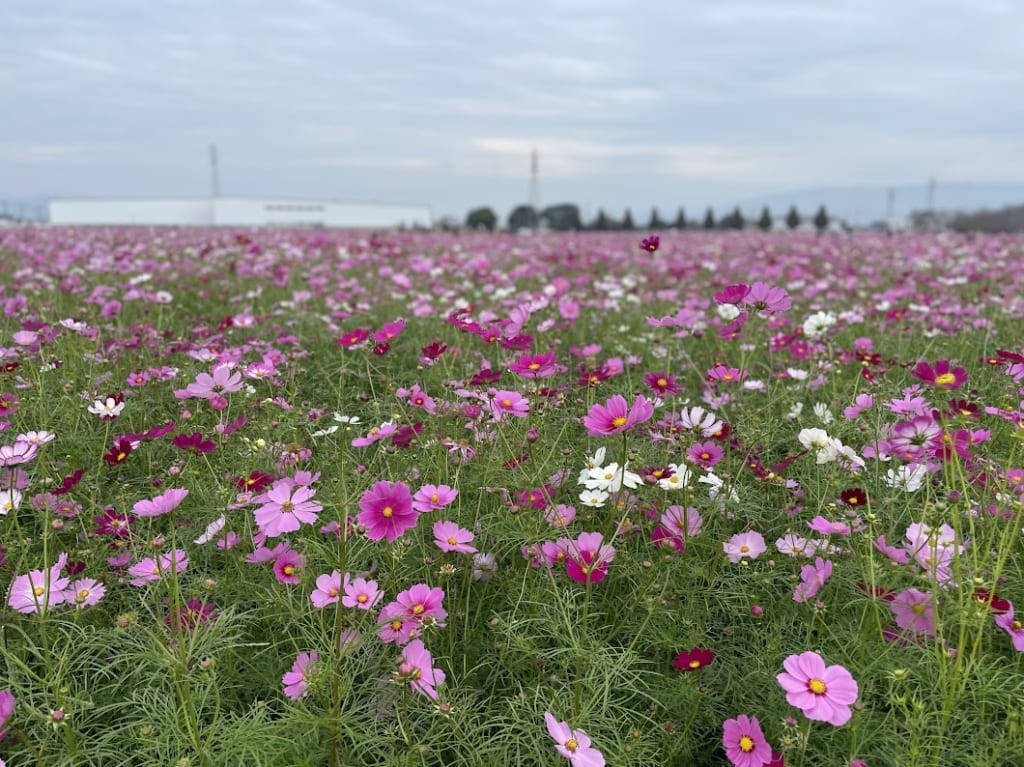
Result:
pixel 906 478
pixel 813 439
pixel 680 477
pixel 211 530
pixel 824 414
pixel 593 462
pixel 106 408
pixel 818 323
pixel 611 478
pixel 595 499
pixel 9 501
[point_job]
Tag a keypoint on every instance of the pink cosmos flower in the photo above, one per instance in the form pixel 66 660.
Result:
pixel 149 569
pixel 328 589
pixel 914 611
pixel 766 298
pixel 85 592
pixel 725 374
pixel 742 545
pixel 296 681
pixel 375 434
pixel 588 558
pixel 812 579
pixel 286 507
pixel 389 331
pixel 288 566
pixel 418 668
pixel 824 694
pixel 942 375
pixel 574 745
pixel 6 709
pixel 535 365
pixel 39 589
pixel 18 453
pixel 860 404
pixel 745 744
pixel 616 416
pixel 504 402
pixel 433 497
pixel 1013 627
pixel 362 594
pixel 221 382
pixel 704 454
pixel 827 527
pixel 164 503
pixel 448 536
pixel 417 398
pixel 387 511
pixel 560 515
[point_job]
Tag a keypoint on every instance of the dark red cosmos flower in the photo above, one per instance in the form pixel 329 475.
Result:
pixel 255 482
pixel 994 602
pixel 650 244
pixel 194 442
pixel 406 434
pixel 434 350
pixel 194 614
pixel 121 449
pixel 68 482
pixel 854 497
pixel 961 408
pixel 382 348
pixel 695 659
pixel 486 377
pixel 878 592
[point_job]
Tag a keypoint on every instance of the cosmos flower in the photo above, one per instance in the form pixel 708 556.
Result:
pixel 617 416
pixel 574 745
pixel 824 694
pixel 745 744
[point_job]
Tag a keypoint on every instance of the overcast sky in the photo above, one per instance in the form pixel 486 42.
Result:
pixel 635 103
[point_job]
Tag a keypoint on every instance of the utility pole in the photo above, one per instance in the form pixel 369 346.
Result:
pixel 214 172
pixel 890 206
pixel 931 195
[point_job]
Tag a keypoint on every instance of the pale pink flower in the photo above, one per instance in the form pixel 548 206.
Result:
pixel 164 503
pixel 418 668
pixel 574 745
pixel 744 545
pixel 362 594
pixel 433 497
pixel 296 681
pixel 328 589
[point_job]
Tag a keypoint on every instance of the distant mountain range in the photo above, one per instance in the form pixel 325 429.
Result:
pixel 859 205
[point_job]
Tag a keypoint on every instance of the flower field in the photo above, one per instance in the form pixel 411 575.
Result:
pixel 297 497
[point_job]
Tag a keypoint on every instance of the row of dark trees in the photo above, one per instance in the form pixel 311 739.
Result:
pixel 566 217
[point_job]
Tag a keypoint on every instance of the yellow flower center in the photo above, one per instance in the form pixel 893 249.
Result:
pixel 286 506
pixel 918 608
pixel 619 421
pixel 694 664
pixel 572 744
pixel 744 549
pixel 452 540
pixel 506 402
pixel 945 379
pixel 388 512
pixel 38 591
pixel 1015 625
pixel 417 610
pixel 534 366
pixel 362 599
pixel 816 686
pixel 289 569
pixel 83 594
pixel 396 625
pixel 661 383
pixel 746 744
pixel 434 498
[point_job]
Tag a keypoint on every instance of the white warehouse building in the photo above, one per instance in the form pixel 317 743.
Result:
pixel 237 211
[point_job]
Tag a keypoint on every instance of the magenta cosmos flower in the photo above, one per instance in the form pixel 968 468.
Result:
pixel 505 402
pixel 942 375
pixel 824 694
pixel 387 511
pixel 574 745
pixel 6 709
pixel 745 744
pixel 361 593
pixel 616 415
pixel 588 558
pixel 433 497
